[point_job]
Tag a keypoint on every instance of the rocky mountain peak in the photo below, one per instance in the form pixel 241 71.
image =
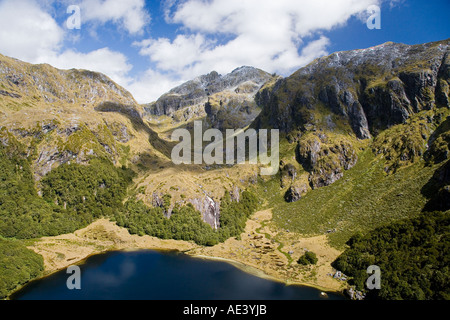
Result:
pixel 65 116
pixel 342 100
pixel 388 56
pixel 191 96
pixel 51 85
pixel 369 89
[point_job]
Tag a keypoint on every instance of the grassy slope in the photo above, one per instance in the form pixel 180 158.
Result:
pixel 363 199
pixel 366 197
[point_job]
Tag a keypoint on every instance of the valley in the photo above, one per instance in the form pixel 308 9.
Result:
pixel 364 145
pixel 262 250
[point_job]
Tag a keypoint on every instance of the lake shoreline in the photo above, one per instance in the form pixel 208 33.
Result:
pixel 241 266
pixel 103 236
pixel 259 273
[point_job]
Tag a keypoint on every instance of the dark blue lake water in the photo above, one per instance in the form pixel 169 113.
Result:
pixel 152 275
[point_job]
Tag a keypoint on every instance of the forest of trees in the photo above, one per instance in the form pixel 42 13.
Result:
pixel 18 265
pixel 413 255
pixel 186 223
pixel 73 195
pixel 95 190
pixel 23 214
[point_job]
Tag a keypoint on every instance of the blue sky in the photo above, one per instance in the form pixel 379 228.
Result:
pixel 150 46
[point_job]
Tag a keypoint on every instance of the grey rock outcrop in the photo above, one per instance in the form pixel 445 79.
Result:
pixel 358 120
pixel 209 209
pixel 192 96
pixel 325 161
pixel 235 194
pixel 371 89
pixel 295 192
pixel 288 174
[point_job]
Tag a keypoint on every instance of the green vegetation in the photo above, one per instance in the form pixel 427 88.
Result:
pixel 234 215
pixel 404 144
pixel 363 199
pixel 185 223
pixel 308 258
pixel 413 256
pixel 95 190
pixel 440 142
pixel 18 265
pixel 73 195
pixel 85 140
pixel 381 200
pixel 23 214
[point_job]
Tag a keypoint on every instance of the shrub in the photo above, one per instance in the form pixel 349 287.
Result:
pixel 413 255
pixel 308 258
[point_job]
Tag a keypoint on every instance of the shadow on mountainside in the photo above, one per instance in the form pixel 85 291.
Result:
pixel 165 147
pixel 437 189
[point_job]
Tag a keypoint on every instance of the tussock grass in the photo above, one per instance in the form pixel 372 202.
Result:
pixel 365 198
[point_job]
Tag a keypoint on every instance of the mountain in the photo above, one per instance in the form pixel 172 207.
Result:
pixel 365 138
pixel 366 163
pixel 70 117
pixel 328 111
pixel 73 115
pixel 215 96
pixel 336 102
pixel 368 90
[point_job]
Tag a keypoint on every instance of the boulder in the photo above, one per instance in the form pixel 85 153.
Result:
pixel 295 192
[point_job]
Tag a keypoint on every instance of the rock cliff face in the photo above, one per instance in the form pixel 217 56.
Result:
pixel 393 98
pixel 327 106
pixel 325 160
pixel 65 116
pixel 209 209
pixel 370 89
pixel 223 97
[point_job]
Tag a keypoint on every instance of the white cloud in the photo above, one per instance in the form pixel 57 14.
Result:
pixel 266 17
pixel 175 55
pixel 313 50
pixel 130 14
pixel 26 31
pixel 277 36
pixel 151 85
pixel 113 64
pixel 29 33
pixel 395 3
